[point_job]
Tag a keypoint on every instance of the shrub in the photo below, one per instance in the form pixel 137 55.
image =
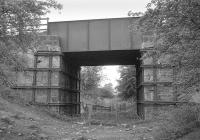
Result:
pixel 179 121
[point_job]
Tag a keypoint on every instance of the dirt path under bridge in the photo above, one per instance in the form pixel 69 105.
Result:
pixel 26 122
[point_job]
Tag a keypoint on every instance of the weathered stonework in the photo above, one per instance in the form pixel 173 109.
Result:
pixel 155 88
pixel 49 80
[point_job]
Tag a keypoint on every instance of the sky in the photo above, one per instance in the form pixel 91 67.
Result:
pixel 98 9
pixel 111 75
pixel 95 9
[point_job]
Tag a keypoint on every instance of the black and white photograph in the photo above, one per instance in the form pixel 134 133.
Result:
pixel 99 69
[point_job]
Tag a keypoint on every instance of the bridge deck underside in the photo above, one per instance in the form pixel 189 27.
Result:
pixel 97 58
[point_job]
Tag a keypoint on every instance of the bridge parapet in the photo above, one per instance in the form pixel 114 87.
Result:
pixel 96 35
pixel 49 43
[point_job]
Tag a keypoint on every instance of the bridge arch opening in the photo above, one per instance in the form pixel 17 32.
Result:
pixel 95 58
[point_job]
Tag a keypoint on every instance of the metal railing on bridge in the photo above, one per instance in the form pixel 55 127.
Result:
pixel 42 27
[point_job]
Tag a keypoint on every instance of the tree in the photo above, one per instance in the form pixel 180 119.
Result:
pixel 19 23
pixel 105 93
pixel 109 87
pixel 91 77
pixel 127 82
pixel 99 92
pixel 176 26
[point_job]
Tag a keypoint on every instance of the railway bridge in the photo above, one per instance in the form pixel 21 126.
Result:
pixel 53 79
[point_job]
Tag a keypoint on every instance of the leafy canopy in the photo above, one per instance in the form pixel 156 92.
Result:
pixel 175 25
pixel 127 82
pixel 19 21
pixel 101 92
pixel 91 77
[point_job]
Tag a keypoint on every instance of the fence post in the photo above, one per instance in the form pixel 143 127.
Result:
pixel 89 113
pixel 116 113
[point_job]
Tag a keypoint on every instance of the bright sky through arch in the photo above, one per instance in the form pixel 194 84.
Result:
pixel 98 9
pixel 112 75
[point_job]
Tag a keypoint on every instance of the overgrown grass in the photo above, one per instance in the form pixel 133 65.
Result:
pixel 114 118
pixel 10 96
pixel 178 122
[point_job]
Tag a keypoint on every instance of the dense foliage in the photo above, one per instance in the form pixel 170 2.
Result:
pixel 19 21
pixel 127 82
pixel 99 92
pixel 109 87
pixel 176 28
pixel 177 122
pixel 91 77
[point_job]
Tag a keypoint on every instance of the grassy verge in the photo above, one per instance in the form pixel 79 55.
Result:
pixel 114 118
pixel 178 122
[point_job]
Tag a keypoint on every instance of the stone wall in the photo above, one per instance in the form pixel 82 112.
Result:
pixel 155 88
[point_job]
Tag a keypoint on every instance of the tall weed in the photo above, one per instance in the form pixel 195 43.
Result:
pixel 178 122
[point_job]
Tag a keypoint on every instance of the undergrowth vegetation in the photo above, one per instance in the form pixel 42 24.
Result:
pixel 177 122
pixel 115 117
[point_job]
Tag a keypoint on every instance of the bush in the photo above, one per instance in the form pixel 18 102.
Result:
pixel 178 122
